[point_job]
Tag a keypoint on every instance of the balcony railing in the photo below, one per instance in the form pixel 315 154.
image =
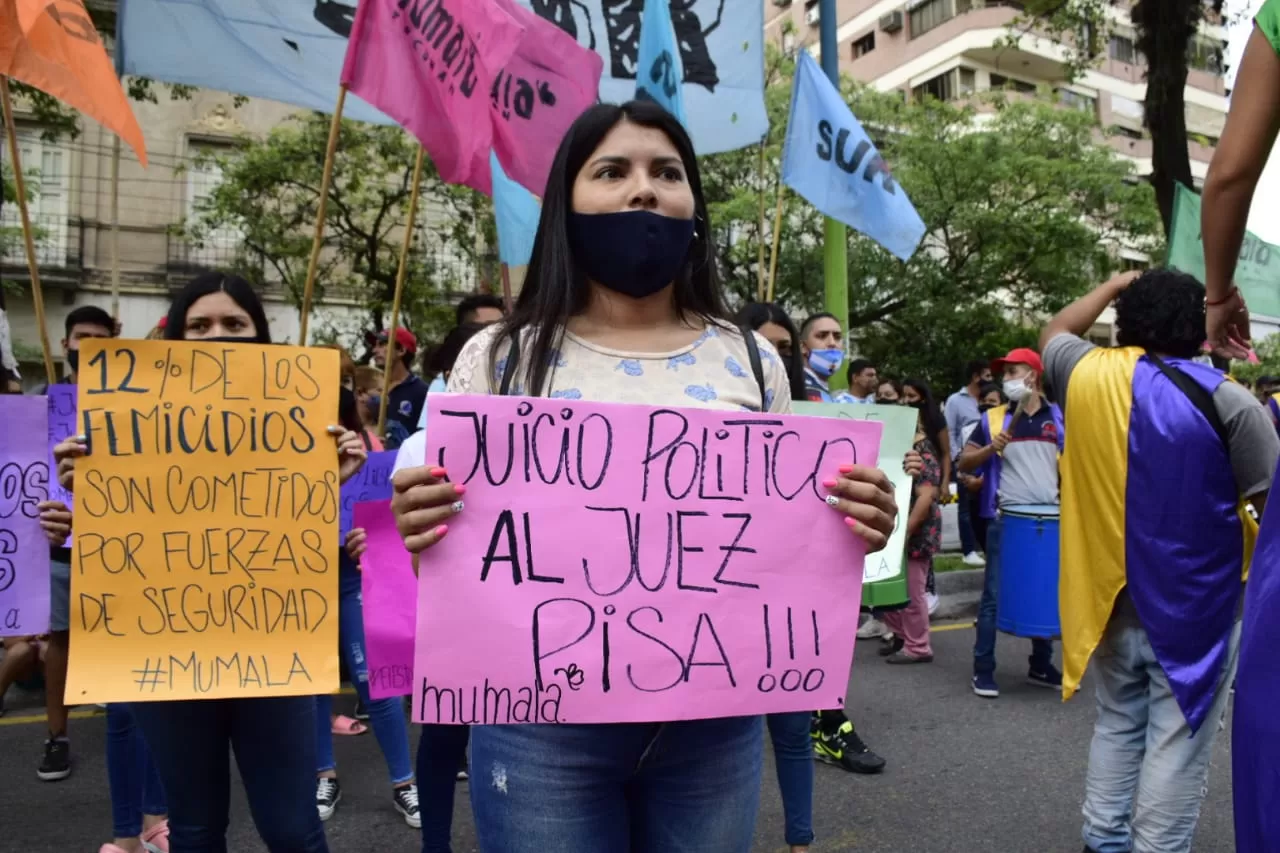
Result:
pixel 59 242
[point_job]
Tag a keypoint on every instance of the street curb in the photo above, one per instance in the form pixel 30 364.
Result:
pixel 958 594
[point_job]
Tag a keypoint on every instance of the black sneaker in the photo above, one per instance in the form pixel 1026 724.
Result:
pixel 890 646
pixel 360 713
pixel 328 793
pixel 56 765
pixel 844 749
pixel 1048 677
pixel 406 802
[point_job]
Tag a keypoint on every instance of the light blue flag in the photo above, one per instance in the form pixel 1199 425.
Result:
pixel 292 51
pixel 830 161
pixel 516 211
pixel 659 68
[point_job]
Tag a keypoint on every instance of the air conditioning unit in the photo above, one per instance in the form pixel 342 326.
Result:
pixel 811 16
pixel 891 22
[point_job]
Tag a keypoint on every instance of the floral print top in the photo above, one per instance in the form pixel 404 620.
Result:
pixel 928 541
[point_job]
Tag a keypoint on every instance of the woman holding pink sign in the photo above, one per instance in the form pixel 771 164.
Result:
pixel 621 303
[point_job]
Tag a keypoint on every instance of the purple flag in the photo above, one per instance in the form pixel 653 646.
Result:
pixel 24 483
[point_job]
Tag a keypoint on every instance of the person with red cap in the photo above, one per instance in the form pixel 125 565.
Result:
pixel 408 391
pixel 1016 452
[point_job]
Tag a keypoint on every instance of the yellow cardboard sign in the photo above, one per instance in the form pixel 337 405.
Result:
pixel 205 562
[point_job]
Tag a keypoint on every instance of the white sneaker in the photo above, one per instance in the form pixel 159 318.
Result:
pixel 932 600
pixel 973 558
pixel 872 629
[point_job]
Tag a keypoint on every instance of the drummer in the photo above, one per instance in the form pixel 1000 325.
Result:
pixel 1015 449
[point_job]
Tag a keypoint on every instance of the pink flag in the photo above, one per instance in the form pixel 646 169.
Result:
pixel 542 90
pixel 429 64
pixel 389 591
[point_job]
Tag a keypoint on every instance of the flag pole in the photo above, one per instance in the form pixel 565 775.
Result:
pixel 777 234
pixel 37 295
pixel 835 247
pixel 760 280
pixel 506 288
pixel 399 292
pixel 115 228
pixel 334 127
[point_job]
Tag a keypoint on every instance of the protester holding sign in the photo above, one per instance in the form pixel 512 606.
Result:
pixel 192 739
pixel 1247 141
pixel 622 304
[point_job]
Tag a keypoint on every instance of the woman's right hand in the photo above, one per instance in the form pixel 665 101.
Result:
pixel 65 454
pixel 422 501
pixel 357 543
pixel 55 521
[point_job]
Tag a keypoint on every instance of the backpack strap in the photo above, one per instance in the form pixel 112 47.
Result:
pixel 509 369
pixel 753 355
pixel 1199 397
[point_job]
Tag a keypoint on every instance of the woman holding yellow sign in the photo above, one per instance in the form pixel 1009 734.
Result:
pixel 191 739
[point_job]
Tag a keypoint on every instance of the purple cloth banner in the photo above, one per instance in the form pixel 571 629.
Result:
pixel 62 425
pixel 24 483
pixel 372 483
pixel 390 593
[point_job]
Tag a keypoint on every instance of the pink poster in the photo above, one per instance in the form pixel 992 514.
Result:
pixel 621 563
pixel 387 588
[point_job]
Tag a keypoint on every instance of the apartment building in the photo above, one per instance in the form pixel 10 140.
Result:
pixel 71 215
pixel 953 48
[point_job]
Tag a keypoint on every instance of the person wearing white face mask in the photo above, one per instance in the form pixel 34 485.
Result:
pixel 1015 448
pixel 822 345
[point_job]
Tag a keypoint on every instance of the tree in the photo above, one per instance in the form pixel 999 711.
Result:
pixel 268 197
pixel 1166 30
pixel 1025 211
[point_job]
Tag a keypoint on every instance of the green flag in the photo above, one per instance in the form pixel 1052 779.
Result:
pixel 1257 272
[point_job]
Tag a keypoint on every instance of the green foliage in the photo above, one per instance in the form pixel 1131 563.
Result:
pixel 1025 211
pixel 1268 350
pixel 269 195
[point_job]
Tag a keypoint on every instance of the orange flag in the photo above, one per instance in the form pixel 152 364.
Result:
pixel 53 46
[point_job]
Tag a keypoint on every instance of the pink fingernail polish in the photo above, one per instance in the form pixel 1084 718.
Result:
pixel 459 489
pixel 851 522
pixel 441 531
pixel 438 472
pixel 846 469
pixel 830 482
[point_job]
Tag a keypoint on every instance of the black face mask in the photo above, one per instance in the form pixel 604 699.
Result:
pixel 636 253
pixel 226 339
pixel 73 360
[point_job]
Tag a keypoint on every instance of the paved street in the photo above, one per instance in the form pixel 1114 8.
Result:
pixel 964 775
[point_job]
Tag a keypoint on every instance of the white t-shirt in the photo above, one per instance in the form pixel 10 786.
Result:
pixel 712 372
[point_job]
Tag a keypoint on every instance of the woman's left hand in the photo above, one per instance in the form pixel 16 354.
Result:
pixel 351 452
pixel 357 543
pixel 55 521
pixel 865 496
pixel 913 463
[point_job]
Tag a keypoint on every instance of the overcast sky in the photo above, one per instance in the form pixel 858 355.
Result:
pixel 1264 217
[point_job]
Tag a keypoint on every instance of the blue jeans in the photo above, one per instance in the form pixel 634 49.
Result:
pixel 274 741
pixel 441 751
pixel 386 716
pixel 793 759
pixel 685 787
pixel 1147 773
pixel 131 775
pixel 968 542
pixel 984 647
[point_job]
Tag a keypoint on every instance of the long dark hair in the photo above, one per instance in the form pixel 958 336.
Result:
pixel 240 291
pixel 442 358
pixel 555 288
pixel 754 315
pixel 934 422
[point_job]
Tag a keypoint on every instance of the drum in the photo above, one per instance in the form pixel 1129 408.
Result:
pixel 1028 601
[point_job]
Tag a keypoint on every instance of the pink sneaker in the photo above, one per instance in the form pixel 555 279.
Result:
pixel 156 839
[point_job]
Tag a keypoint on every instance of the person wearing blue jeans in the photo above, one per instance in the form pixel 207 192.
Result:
pixel 691 786
pixel 793 761
pixel 441 751
pixel 274 742
pixel 984 646
pixel 138 804
pixel 386 716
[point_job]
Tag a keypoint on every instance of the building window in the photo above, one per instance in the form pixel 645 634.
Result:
pixel 947 86
pixel 1206 55
pixel 1076 101
pixel 999 81
pixel 217 247
pixel 44 166
pixel 864 45
pixel 1122 49
pixel 930 14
